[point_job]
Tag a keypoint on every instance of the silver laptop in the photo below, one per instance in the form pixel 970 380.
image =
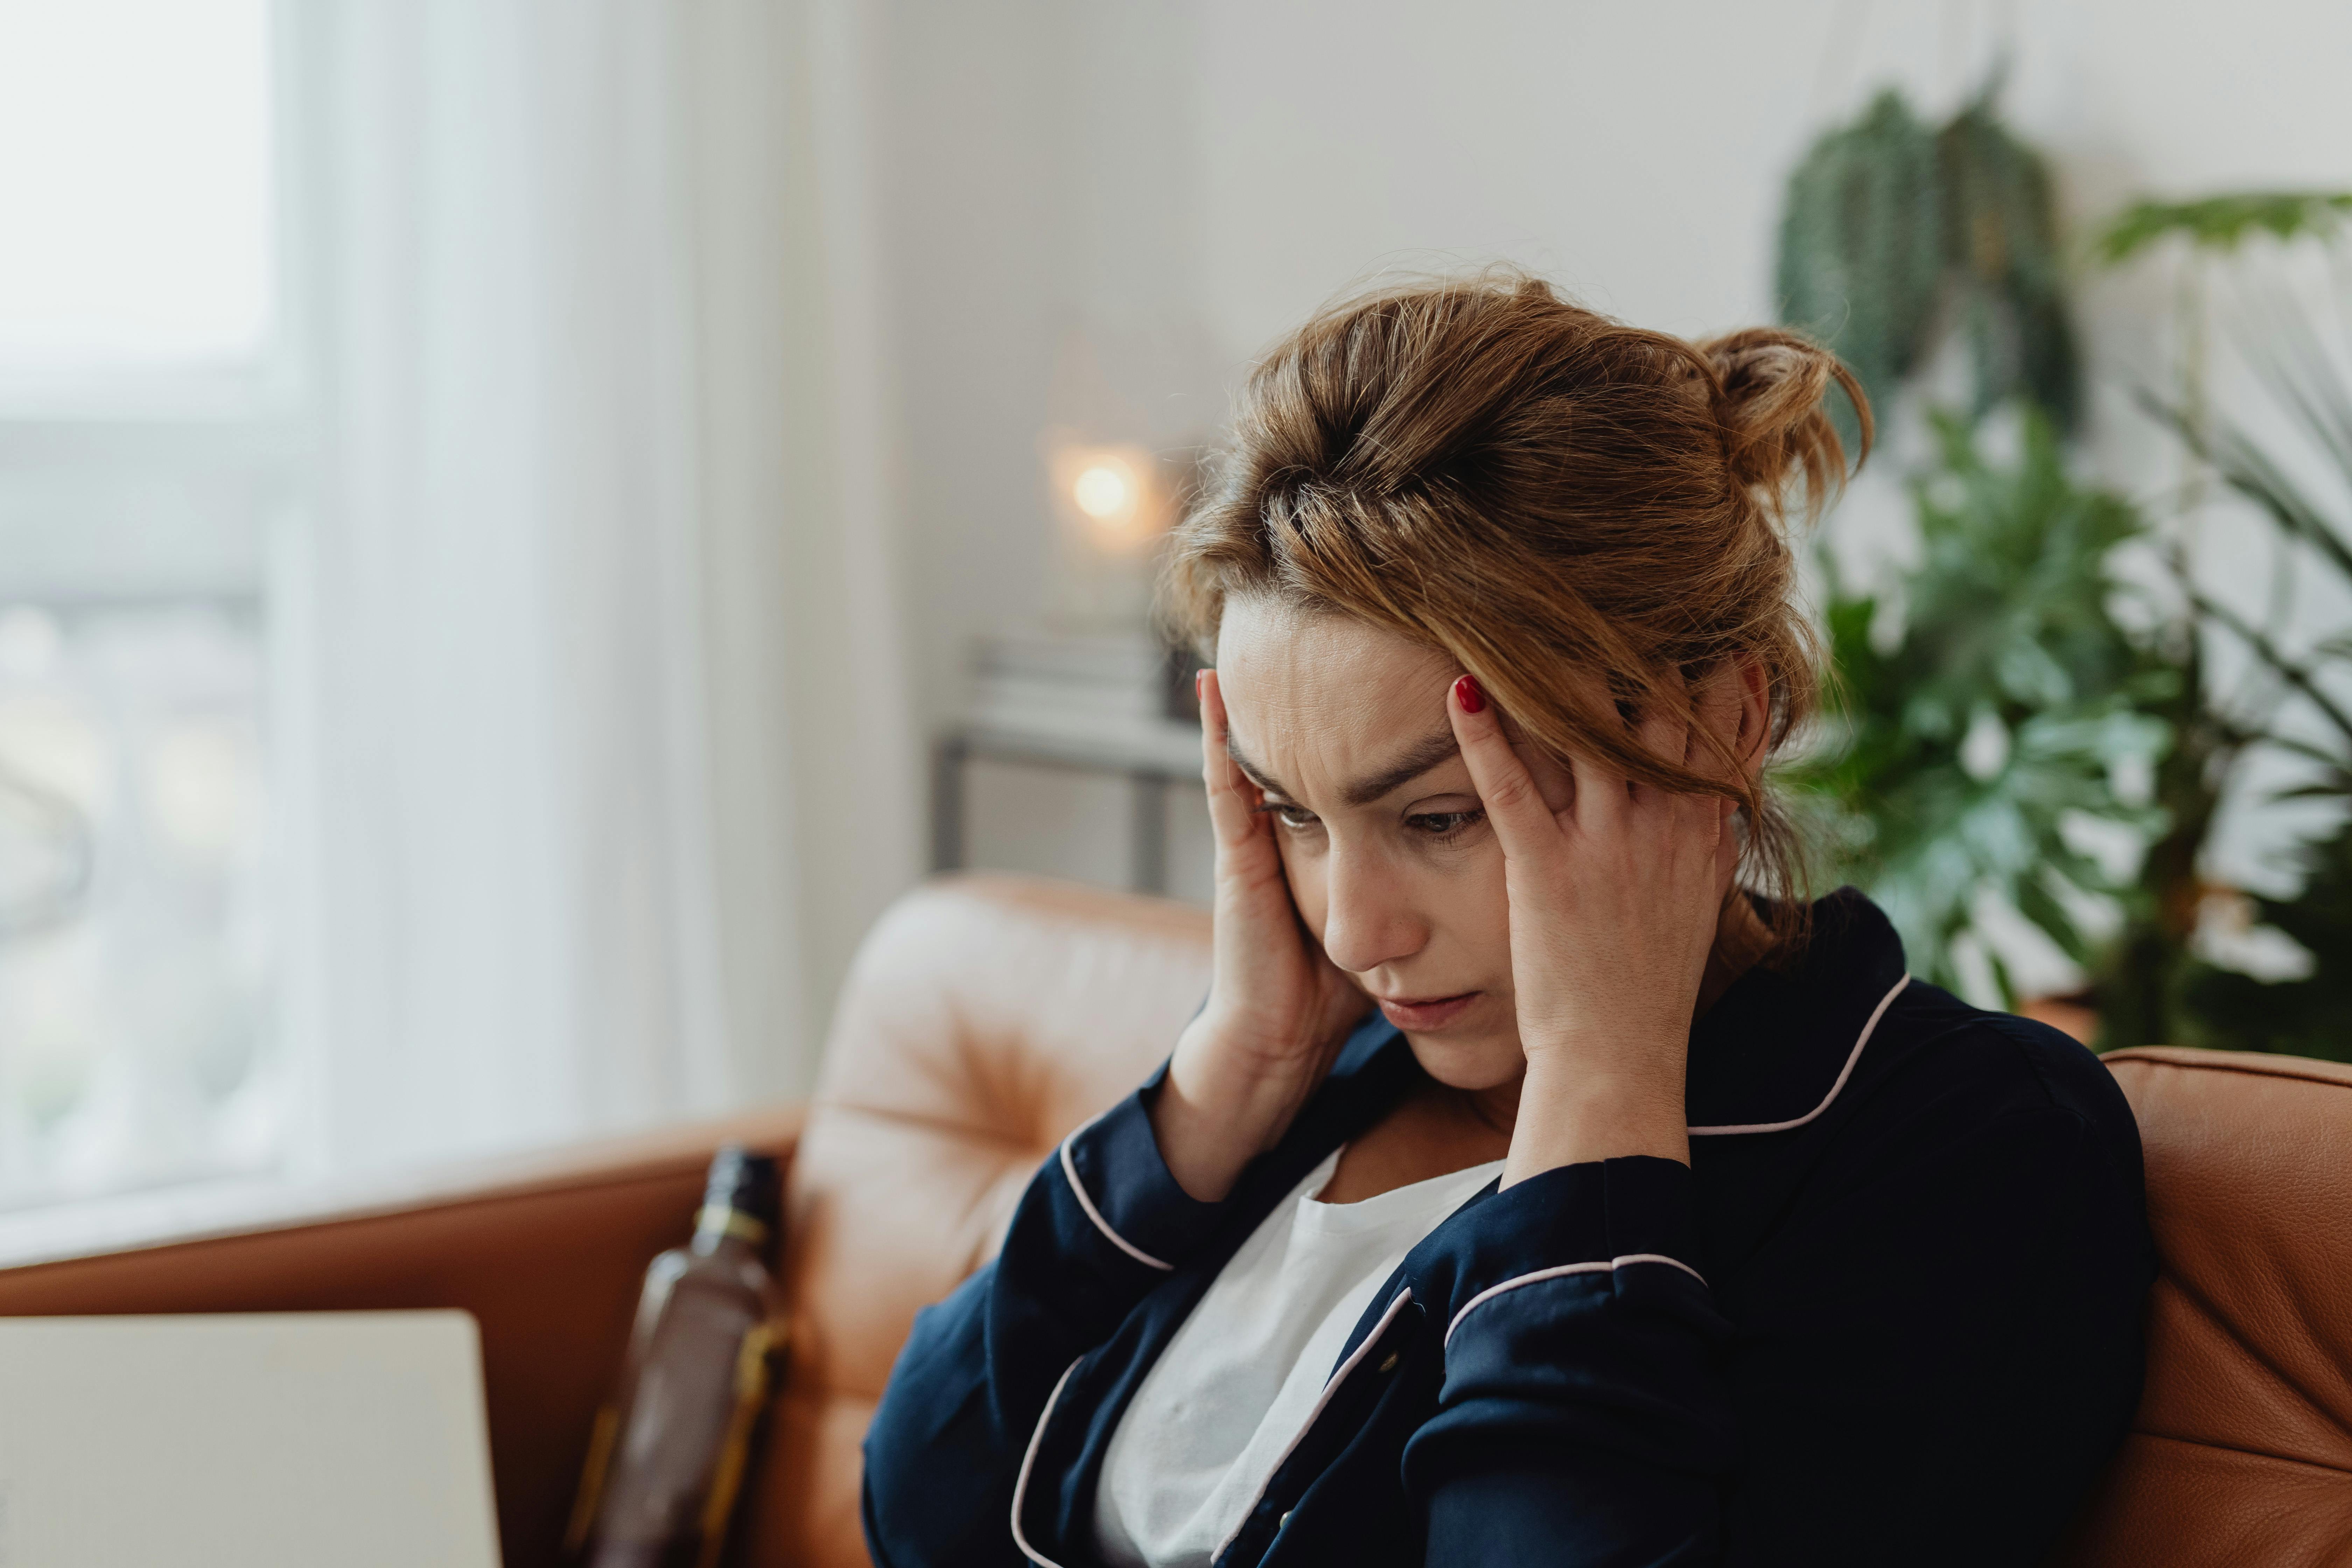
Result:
pixel 274 1440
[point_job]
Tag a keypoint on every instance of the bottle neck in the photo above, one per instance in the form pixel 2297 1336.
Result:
pixel 717 1224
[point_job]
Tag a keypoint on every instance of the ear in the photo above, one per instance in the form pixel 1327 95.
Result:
pixel 1735 700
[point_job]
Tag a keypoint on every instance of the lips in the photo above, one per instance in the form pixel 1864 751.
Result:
pixel 1425 1012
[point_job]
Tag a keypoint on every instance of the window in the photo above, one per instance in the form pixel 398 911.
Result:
pixel 135 168
pixel 146 455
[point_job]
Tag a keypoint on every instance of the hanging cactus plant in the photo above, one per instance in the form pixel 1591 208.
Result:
pixel 1894 236
pixel 2001 253
pixel 1862 252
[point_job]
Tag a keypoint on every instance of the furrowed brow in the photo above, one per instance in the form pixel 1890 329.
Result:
pixel 1254 773
pixel 1437 749
pixel 1430 752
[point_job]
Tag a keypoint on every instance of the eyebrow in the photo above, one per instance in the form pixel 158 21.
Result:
pixel 1428 753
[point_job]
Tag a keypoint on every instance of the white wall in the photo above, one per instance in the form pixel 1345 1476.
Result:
pixel 1179 181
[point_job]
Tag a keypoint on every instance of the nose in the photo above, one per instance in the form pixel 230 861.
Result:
pixel 1369 915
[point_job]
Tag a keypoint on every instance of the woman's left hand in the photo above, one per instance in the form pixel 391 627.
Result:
pixel 1615 892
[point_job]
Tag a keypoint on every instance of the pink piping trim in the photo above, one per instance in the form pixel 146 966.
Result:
pixel 1021 1487
pixel 1491 1291
pixel 1070 1170
pixel 1330 1387
pixel 1844 1073
pixel 1870 1027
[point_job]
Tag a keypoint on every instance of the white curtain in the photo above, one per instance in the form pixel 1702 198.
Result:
pixel 601 752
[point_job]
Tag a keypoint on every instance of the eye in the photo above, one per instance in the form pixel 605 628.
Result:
pixel 1443 826
pixel 1294 817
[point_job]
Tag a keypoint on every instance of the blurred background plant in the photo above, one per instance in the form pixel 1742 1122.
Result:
pixel 2170 978
pixel 1994 735
pixel 1895 237
pixel 2025 743
pixel 1991 738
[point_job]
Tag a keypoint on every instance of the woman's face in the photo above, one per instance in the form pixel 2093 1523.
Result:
pixel 1343 729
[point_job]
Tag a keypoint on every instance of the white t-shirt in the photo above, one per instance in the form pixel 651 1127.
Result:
pixel 1220 1410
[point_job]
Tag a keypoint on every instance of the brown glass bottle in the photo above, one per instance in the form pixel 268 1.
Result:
pixel 668 1452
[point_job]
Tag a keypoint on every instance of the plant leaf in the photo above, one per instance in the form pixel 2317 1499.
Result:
pixel 2221 223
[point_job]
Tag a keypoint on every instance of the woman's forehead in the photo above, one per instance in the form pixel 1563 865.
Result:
pixel 1319 701
pixel 1274 656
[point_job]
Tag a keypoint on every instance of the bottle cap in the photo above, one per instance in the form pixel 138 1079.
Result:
pixel 743 1186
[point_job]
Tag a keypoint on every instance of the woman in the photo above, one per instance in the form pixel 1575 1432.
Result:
pixel 1651 1216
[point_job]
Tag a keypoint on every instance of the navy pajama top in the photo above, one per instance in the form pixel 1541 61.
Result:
pixel 1890 1312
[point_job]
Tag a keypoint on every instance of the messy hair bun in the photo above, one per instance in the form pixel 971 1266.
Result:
pixel 1771 393
pixel 1544 494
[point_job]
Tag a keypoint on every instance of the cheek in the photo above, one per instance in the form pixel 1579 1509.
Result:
pixel 1478 924
pixel 1478 906
pixel 1461 896
pixel 1308 887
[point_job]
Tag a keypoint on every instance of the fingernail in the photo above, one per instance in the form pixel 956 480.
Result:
pixel 1200 684
pixel 1466 692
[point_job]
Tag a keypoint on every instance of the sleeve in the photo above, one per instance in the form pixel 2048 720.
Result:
pixel 1932 1361
pixel 1584 1416
pixel 1944 1355
pixel 1100 1224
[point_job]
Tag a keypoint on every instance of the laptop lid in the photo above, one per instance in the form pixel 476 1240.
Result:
pixel 268 1440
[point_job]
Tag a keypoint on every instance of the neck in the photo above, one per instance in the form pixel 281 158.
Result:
pixel 1741 939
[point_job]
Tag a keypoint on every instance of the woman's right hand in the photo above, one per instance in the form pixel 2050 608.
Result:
pixel 1278 1010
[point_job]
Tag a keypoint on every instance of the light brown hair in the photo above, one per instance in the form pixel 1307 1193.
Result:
pixel 1544 494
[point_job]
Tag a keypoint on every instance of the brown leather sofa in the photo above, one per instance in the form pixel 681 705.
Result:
pixel 988 1016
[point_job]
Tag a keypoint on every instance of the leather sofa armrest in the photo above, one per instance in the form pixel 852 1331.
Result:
pixel 545 1252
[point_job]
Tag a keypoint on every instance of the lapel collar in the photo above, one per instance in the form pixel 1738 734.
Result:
pixel 1374 1067
pixel 1772 1050
pixel 1777 1047
pixel 1771 1053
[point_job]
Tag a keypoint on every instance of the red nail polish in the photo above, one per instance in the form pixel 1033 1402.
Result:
pixel 1466 692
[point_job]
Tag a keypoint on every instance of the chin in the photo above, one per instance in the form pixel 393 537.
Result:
pixel 1480 1061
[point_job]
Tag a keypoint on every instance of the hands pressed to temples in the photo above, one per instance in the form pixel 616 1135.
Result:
pixel 1616 890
